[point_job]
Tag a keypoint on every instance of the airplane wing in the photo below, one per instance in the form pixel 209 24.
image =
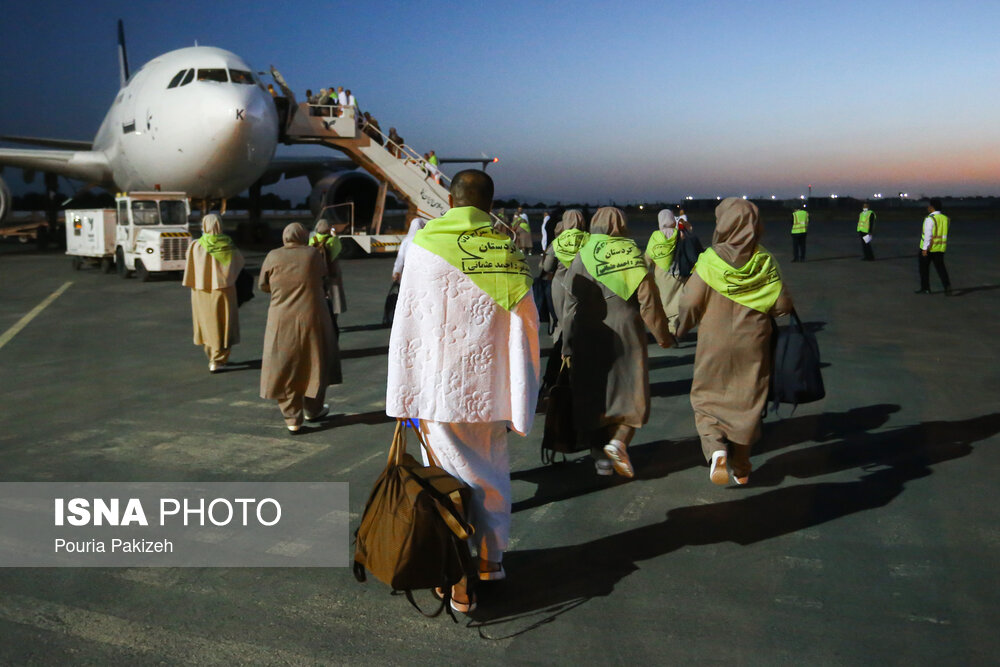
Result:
pixel 313 167
pixel 90 166
pixel 68 144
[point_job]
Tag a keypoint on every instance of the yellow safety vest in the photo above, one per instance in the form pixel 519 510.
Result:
pixel 939 234
pixel 800 222
pixel 863 221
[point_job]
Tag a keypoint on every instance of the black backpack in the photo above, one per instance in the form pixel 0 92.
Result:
pixel 795 365
pixel 686 254
pixel 389 310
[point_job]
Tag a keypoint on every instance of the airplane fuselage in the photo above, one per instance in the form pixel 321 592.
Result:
pixel 194 120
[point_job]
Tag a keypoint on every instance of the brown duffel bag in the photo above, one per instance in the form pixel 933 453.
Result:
pixel 414 531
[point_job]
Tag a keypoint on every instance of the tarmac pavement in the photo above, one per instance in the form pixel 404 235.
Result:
pixel 866 536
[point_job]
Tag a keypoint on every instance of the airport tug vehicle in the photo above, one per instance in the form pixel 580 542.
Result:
pixel 146 233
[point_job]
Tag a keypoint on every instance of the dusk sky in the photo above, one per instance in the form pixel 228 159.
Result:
pixel 632 101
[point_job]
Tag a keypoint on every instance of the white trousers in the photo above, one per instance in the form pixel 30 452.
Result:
pixel 477 455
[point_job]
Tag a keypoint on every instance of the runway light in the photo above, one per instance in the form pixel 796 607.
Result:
pixel 802 196
pixel 744 196
pixel 718 198
pixel 641 207
pixel 689 198
pixel 773 197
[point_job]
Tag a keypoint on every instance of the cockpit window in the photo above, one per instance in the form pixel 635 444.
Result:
pixel 145 213
pixel 174 82
pixel 241 76
pixel 213 75
pixel 188 78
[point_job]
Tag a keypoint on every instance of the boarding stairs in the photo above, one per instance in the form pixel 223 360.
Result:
pixel 397 167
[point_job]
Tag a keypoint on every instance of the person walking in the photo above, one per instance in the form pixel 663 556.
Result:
pixel 570 235
pixel 325 239
pixel 735 289
pixel 660 255
pixel 464 359
pixel 800 227
pixel 866 225
pixel 933 243
pixel 300 357
pixel 611 296
pixel 523 231
pixel 213 263
pixel 548 232
pixel 416 224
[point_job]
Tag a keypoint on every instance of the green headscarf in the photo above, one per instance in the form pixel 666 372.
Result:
pixel 756 284
pixel 464 237
pixel 324 239
pixel 612 258
pixel 570 236
pixel 215 243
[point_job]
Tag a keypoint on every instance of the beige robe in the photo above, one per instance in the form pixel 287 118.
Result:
pixel 300 355
pixel 669 287
pixel 214 312
pixel 606 338
pixel 732 364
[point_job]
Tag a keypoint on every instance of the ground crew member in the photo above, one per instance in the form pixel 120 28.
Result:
pixel 866 222
pixel 800 225
pixel 933 243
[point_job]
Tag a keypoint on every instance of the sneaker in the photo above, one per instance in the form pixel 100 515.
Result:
pixel 294 428
pixel 741 481
pixel 718 473
pixel 604 467
pixel 212 367
pixel 616 451
pixel 319 415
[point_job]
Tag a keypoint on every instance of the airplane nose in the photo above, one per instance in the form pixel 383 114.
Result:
pixel 241 124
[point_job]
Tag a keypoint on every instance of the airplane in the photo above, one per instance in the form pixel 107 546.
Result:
pixel 196 120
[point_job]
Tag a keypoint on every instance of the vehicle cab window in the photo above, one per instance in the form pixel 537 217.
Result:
pixel 145 213
pixel 241 76
pixel 176 81
pixel 218 75
pixel 173 213
pixel 122 213
pixel 188 78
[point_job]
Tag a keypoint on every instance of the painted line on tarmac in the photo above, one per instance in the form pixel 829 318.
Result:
pixel 360 463
pixel 23 322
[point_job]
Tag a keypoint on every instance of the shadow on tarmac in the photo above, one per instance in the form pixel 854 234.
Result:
pixel 364 352
pixel 656 363
pixel 962 291
pixel 660 458
pixel 544 583
pixel 364 327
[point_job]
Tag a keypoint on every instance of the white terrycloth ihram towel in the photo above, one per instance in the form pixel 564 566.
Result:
pixel 455 355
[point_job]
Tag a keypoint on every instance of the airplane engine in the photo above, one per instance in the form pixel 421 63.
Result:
pixel 337 189
pixel 6 201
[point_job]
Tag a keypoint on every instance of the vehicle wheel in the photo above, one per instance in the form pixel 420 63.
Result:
pixel 77 263
pixel 107 265
pixel 120 264
pixel 141 272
